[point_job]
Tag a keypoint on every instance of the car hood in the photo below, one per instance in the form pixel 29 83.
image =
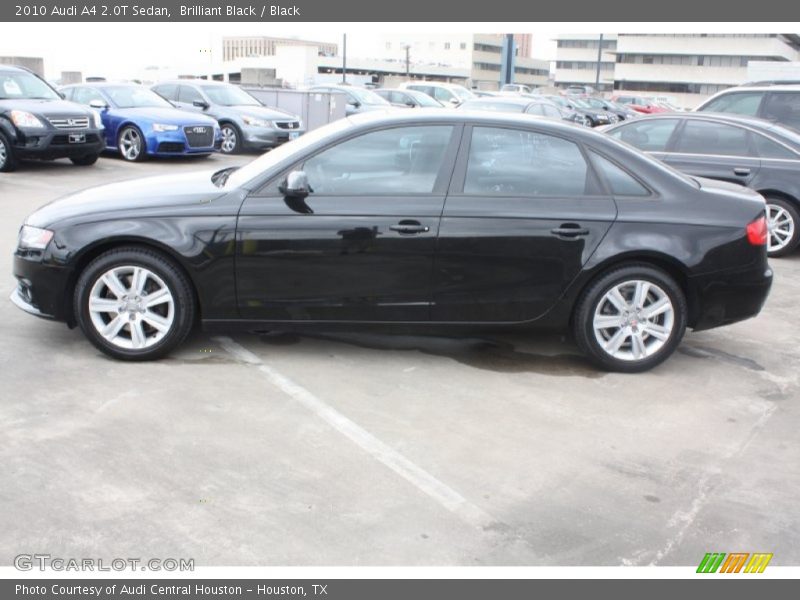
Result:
pixel 263 112
pixel 145 193
pixel 49 108
pixel 165 115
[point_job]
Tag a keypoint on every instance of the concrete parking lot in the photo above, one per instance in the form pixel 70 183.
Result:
pixel 356 449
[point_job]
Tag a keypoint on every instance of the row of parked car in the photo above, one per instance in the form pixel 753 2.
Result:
pixel 746 135
pixel 173 118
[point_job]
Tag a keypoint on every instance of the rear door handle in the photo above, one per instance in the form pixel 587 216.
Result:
pixel 741 171
pixel 410 226
pixel 569 230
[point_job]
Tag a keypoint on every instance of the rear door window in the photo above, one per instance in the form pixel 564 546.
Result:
pixel 783 107
pixel 620 181
pixel 740 103
pixel 513 162
pixel 705 137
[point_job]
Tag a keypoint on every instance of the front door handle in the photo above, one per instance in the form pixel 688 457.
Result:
pixel 569 230
pixel 410 226
pixel 741 171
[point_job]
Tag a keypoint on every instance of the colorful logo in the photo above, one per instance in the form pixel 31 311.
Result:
pixel 735 562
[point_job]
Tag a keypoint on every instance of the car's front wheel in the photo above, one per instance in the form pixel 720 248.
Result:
pixel 134 304
pixel 631 319
pixel 783 227
pixel 231 139
pixel 7 160
pixel 131 144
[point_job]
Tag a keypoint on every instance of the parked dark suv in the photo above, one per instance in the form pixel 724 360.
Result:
pixel 779 103
pixel 35 122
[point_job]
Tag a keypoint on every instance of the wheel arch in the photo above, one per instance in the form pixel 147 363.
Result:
pixel 674 268
pixel 92 251
pixel 782 195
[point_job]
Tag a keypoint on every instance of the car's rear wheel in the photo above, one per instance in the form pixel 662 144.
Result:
pixel 231 139
pixel 134 304
pixel 85 161
pixel 630 319
pixel 783 227
pixel 131 144
pixel 7 160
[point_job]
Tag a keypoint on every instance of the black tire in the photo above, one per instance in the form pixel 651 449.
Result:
pixel 594 297
pixel 86 160
pixel 130 157
pixel 794 216
pixel 233 130
pixel 8 161
pixel 178 285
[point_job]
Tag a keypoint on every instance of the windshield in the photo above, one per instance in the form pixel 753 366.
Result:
pixel 580 103
pixel 128 96
pixel 423 99
pixel 462 93
pixel 282 152
pixel 15 85
pixel 366 96
pixel 228 95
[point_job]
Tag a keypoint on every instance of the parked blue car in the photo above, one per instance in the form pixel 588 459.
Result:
pixel 140 123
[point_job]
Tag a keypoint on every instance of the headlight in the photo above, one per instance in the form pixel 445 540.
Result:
pixel 159 127
pixel 98 120
pixel 252 121
pixel 33 238
pixel 20 118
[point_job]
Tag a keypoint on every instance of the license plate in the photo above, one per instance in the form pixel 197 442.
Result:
pixel 77 138
pixel 294 135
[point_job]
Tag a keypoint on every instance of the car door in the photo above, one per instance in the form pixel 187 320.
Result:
pixel 714 150
pixel 360 246
pixel 524 214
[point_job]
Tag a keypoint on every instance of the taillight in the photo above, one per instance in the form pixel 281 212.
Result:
pixel 757 231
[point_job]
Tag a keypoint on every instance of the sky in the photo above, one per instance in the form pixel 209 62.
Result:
pixel 123 49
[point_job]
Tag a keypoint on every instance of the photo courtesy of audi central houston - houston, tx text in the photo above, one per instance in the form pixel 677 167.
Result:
pixel 486 298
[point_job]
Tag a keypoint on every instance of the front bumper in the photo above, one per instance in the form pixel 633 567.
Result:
pixel 259 138
pixel 56 143
pixel 730 296
pixel 41 287
pixel 175 143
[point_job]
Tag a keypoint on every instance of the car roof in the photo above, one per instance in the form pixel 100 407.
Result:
pixel 101 84
pixel 190 82
pixel 513 100
pixel 775 129
pixel 763 86
pixel 466 116
pixel 14 69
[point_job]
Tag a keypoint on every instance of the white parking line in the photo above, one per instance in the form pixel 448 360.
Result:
pixel 424 481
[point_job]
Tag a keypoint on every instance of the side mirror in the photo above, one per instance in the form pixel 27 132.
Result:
pixel 296 185
pixel 410 104
pixel 98 104
pixel 200 104
pixel 354 103
pixel 454 101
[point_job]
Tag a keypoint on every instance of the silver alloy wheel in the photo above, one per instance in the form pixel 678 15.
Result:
pixel 3 154
pixel 780 227
pixel 130 144
pixel 131 307
pixel 633 320
pixel 229 139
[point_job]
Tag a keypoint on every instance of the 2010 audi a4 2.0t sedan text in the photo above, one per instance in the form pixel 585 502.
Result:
pixel 410 218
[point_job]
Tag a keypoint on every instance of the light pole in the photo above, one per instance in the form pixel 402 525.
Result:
pixel 407 48
pixel 599 59
pixel 344 58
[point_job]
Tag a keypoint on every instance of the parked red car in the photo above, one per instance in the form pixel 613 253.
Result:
pixel 640 104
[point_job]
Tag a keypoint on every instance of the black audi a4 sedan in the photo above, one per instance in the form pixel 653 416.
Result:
pixel 749 151
pixel 411 218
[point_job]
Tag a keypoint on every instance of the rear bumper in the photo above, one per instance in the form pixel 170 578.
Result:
pixel 730 296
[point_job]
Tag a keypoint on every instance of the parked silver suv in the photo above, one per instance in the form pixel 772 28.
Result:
pixel 779 103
